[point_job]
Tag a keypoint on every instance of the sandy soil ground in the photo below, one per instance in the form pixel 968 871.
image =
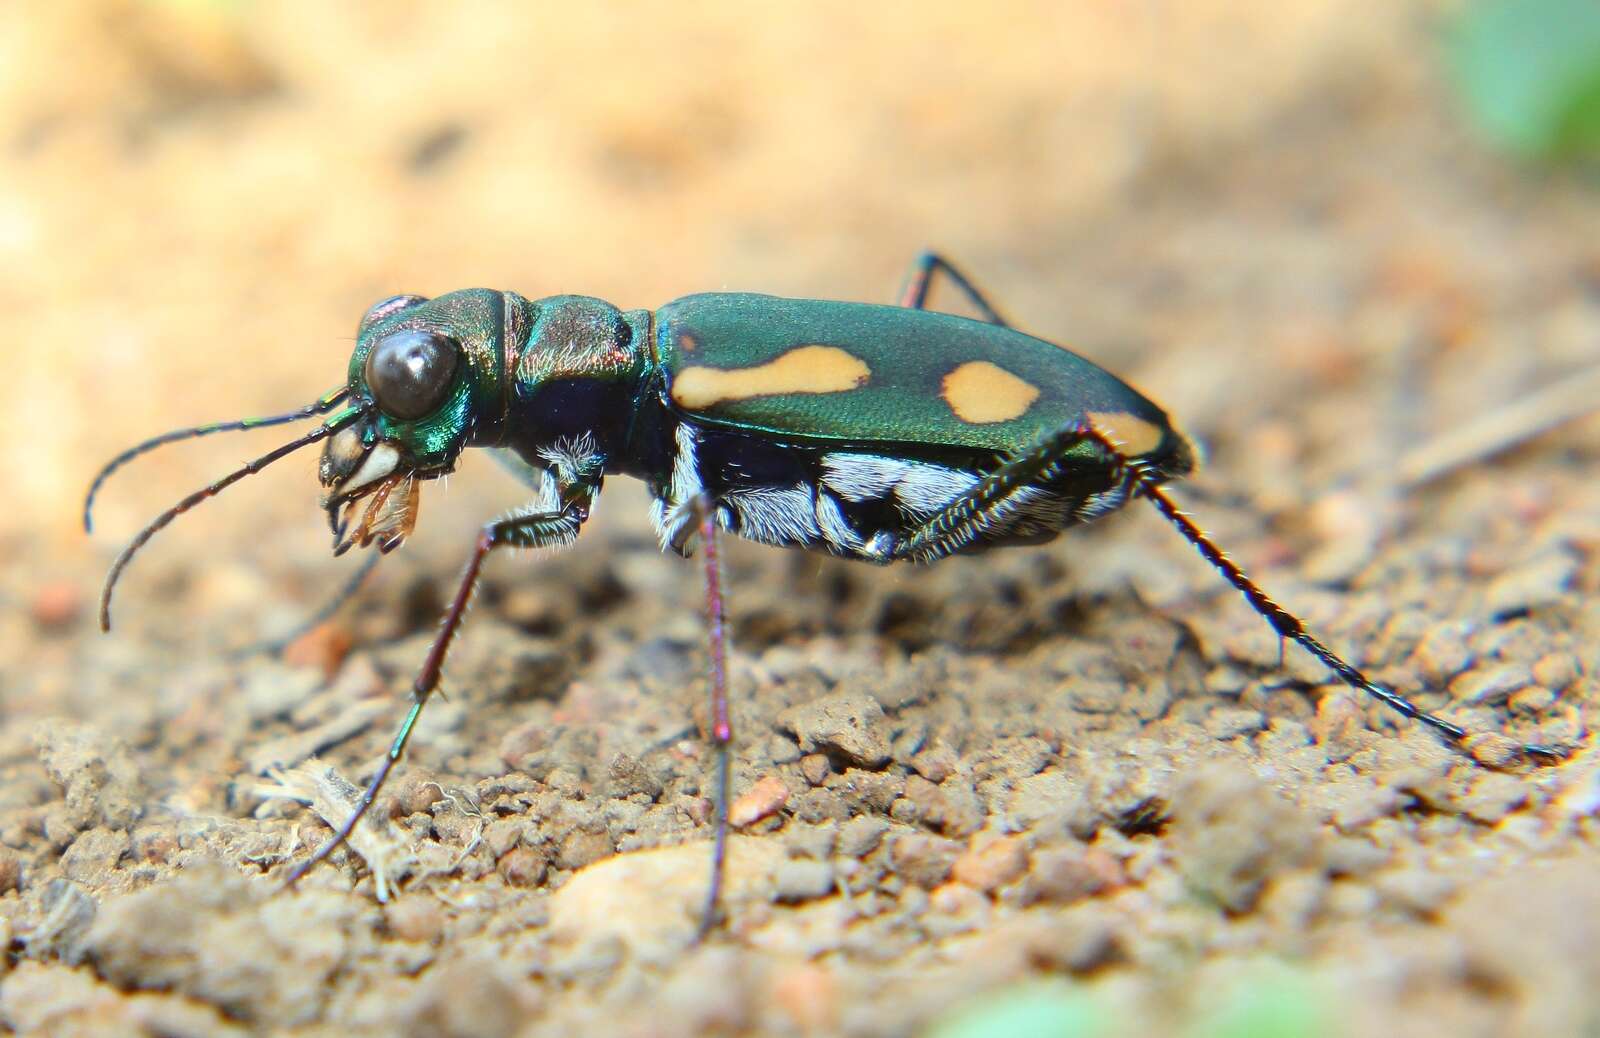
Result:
pixel 1072 782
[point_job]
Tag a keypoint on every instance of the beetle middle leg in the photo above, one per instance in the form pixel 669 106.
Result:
pixel 705 513
pixel 542 529
pixel 915 294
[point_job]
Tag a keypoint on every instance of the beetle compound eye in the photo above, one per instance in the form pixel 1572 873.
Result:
pixel 386 307
pixel 410 372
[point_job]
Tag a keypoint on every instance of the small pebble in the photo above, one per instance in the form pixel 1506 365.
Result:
pixel 522 742
pixel 629 775
pixel 1531 701
pixel 860 836
pixel 803 879
pixel 1443 652
pixel 698 809
pixel 1491 749
pixel 94 854
pixel 418 794
pixel 955 908
pixel 922 859
pixel 583 848
pixel 1232 722
pixel 992 865
pixel 1489 686
pixel 935 763
pixel 323 648
pixel 1556 670
pixel 525 867
pixel 1232 833
pixel 1352 856
pixel 765 798
pixel 1067 874
pixel 1493 796
pixel 815 768
pixel 811 841
pixel 1419 891
pixel 416 917
pixel 809 995
pixel 10 871
pixel 1075 941
pixel 1541 582
pixel 57 604
pixel 782 750
pixel 1359 807
pixel 502 834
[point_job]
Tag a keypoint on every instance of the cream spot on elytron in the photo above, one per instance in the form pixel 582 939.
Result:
pixel 804 369
pixel 1131 433
pixel 980 392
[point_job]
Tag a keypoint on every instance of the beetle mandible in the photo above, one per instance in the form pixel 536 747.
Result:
pixel 872 432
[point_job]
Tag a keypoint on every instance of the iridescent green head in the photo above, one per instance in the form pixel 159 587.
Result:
pixel 429 378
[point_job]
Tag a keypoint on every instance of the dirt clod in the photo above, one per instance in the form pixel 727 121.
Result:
pixel 1492 750
pixel 803 879
pixel 648 902
pixel 992 864
pixel 923 859
pixel 523 867
pixel 816 768
pixel 1233 834
pixel 416 917
pixel 257 958
pixel 849 724
pixel 98 779
pixel 1071 873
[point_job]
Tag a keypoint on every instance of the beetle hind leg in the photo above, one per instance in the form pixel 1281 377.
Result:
pixel 914 296
pixel 971 520
pixel 975 514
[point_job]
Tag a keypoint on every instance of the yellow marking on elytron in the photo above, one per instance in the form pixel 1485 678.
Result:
pixel 979 392
pixel 804 369
pixel 1133 434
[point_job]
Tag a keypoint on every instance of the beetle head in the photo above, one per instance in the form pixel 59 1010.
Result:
pixel 428 375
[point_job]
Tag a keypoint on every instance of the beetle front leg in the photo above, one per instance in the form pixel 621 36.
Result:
pixel 551 529
pixel 915 295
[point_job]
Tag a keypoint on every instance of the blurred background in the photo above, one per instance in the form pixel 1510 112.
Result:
pixel 198 198
pixel 1321 236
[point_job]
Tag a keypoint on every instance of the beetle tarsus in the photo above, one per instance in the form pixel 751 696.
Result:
pixel 1142 483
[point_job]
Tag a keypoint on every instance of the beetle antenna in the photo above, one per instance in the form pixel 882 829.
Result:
pixel 321 432
pixel 327 402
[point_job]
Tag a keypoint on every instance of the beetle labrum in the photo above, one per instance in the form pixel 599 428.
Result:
pixel 872 432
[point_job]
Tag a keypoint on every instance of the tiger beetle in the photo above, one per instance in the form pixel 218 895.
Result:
pixel 872 432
